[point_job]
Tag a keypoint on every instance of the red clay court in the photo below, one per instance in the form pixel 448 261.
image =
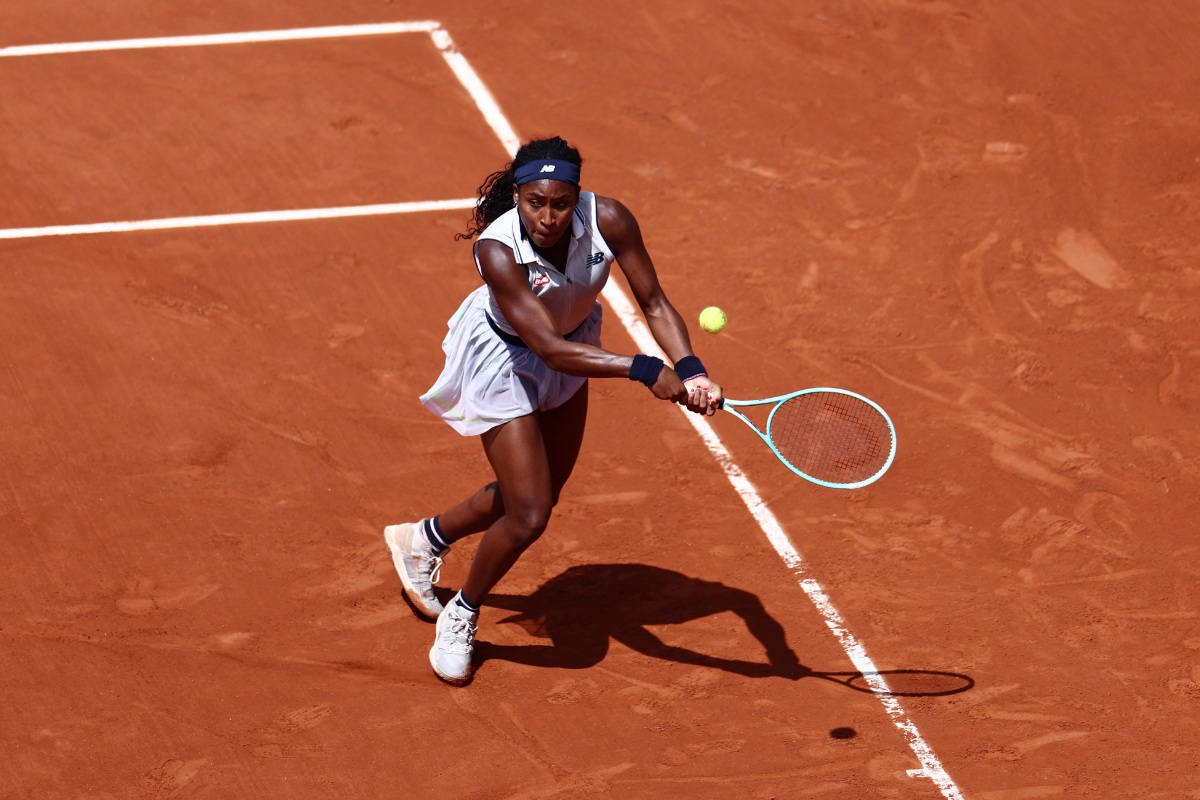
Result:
pixel 982 215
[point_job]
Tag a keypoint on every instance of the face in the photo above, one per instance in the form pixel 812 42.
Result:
pixel 546 207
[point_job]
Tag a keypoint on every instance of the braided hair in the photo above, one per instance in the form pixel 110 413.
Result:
pixel 496 193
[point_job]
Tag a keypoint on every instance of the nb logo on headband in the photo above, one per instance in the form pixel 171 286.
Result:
pixel 547 168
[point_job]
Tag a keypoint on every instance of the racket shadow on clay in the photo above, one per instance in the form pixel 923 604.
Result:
pixel 584 608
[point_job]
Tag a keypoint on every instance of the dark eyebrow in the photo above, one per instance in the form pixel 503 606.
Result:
pixel 564 195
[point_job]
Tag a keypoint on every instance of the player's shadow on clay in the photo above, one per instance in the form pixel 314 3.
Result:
pixel 581 609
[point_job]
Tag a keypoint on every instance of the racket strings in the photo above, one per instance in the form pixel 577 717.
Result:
pixel 832 437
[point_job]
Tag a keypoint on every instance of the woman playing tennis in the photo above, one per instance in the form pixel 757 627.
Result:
pixel 519 354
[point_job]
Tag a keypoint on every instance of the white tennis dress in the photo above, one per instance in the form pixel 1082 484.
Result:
pixel 488 381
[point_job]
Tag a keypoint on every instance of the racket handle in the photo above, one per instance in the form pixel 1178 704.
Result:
pixel 721 403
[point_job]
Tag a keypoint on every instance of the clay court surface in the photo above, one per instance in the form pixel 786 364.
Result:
pixel 982 215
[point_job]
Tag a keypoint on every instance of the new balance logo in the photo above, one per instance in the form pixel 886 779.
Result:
pixel 548 168
pixel 594 259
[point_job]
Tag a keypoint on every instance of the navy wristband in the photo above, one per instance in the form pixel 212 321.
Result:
pixel 645 369
pixel 689 367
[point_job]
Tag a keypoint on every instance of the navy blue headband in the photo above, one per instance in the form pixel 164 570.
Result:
pixel 550 168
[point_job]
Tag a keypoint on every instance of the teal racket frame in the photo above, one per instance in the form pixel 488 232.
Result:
pixel 779 401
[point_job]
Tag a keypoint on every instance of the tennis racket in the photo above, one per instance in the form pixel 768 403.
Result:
pixel 831 437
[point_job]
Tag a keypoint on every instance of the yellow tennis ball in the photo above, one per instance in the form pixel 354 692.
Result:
pixel 713 319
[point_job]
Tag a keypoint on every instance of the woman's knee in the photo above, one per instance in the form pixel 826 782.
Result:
pixel 528 521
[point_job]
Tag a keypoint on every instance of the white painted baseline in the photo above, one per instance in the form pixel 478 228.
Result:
pixel 237 219
pixel 249 37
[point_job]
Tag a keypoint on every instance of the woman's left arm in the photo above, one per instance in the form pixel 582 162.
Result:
pixel 624 237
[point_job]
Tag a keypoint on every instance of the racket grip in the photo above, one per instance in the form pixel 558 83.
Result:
pixel 721 403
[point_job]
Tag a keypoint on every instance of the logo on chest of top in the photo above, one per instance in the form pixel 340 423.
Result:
pixel 594 259
pixel 541 280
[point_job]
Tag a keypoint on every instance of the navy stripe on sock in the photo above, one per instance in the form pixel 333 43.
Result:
pixel 467 604
pixel 433 532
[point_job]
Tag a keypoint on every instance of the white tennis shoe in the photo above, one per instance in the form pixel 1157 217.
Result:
pixel 451 653
pixel 418 567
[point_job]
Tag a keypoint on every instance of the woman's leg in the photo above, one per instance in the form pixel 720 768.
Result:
pixel 532 457
pixel 562 433
pixel 475 514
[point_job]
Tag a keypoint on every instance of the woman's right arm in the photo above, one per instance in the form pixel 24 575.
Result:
pixel 532 321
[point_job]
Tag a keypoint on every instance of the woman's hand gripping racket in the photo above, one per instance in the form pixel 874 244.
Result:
pixel 831 437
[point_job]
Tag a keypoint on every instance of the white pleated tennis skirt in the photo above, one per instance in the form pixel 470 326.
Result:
pixel 487 382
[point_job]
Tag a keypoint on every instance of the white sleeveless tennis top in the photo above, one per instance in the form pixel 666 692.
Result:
pixel 568 295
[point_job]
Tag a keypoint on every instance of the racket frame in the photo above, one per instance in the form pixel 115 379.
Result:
pixel 779 401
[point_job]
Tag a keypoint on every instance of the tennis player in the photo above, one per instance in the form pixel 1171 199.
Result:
pixel 519 354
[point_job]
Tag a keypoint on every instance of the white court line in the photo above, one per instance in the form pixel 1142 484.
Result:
pixel 331 32
pixel 237 219
pixel 479 93
pixel 931 767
